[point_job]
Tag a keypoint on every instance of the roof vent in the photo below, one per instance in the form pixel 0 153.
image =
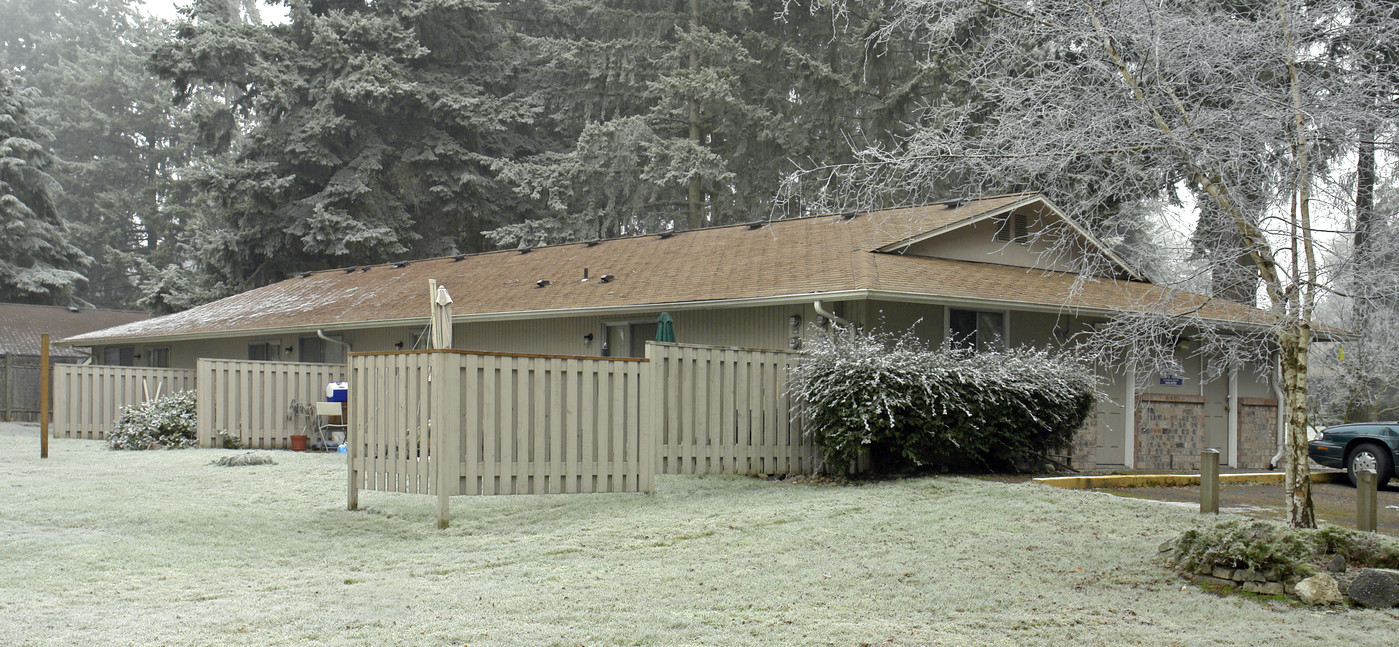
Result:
pixel 607 278
pixel 350 270
pixel 364 268
pixel 458 258
pixel 541 283
pixel 304 274
pixel 666 234
pixel 955 202
pixel 401 264
pixel 73 309
pixel 526 250
pixel 849 215
pixel 757 225
pixel 594 242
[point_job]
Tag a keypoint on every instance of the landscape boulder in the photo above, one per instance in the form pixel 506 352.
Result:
pixel 1319 589
pixel 1377 588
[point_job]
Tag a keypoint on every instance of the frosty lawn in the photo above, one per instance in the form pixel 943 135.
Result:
pixel 103 547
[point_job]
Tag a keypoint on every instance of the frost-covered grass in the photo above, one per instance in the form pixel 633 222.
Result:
pixel 112 548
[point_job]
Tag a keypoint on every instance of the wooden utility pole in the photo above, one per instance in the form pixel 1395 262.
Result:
pixel 44 396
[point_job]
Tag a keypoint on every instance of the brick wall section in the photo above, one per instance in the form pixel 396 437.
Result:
pixel 1170 429
pixel 1083 453
pixel 1258 432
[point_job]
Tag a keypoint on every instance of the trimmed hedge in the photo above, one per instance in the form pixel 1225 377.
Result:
pixel 946 407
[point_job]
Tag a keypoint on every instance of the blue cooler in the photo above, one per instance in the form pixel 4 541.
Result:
pixel 336 391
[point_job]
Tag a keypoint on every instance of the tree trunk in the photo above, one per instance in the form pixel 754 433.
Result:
pixel 1295 342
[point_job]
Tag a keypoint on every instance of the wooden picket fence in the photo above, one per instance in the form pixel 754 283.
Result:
pixel 719 410
pixel 451 423
pixel 253 400
pixel 87 399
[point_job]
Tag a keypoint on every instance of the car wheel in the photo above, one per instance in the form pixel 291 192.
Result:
pixel 1370 456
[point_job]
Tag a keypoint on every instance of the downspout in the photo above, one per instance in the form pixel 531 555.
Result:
pixel 821 310
pixel 348 350
pixel 1277 390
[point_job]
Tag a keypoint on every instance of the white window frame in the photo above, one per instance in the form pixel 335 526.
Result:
pixel 605 349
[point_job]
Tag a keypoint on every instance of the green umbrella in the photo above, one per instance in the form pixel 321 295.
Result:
pixel 665 328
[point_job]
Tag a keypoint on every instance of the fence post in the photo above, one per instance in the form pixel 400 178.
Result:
pixel 43 396
pixel 1209 481
pixel 653 409
pixel 1366 501
pixel 204 403
pixel 8 389
pixel 446 430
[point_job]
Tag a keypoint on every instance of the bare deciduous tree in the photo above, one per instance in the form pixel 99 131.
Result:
pixel 1254 107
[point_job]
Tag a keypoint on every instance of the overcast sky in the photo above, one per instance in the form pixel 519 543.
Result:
pixel 166 9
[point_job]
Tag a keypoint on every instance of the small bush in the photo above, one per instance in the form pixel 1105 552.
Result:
pixel 949 406
pixel 1267 546
pixel 163 423
pixel 244 459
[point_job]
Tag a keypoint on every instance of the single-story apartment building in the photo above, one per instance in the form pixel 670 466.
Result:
pixel 22 327
pixel 971 268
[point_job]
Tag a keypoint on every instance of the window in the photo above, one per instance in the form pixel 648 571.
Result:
pixel 158 357
pixel 119 356
pixel 267 351
pixel 1014 228
pixel 627 338
pixel 977 329
pixel 314 349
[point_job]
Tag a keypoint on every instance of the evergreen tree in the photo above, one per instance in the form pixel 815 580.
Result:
pixel 119 138
pixel 357 132
pixel 38 263
pixel 684 114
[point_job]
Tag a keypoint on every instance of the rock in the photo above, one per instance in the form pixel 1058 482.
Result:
pixel 1223 573
pixel 1337 564
pixel 1376 588
pixel 1265 588
pixel 1166 546
pixel 1249 575
pixel 1319 589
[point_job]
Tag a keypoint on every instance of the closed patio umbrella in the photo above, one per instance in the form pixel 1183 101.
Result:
pixel 665 328
pixel 442 319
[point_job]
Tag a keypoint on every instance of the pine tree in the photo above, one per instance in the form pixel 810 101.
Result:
pixel 113 127
pixel 358 132
pixel 38 263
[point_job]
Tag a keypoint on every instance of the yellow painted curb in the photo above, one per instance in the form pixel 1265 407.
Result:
pixel 1154 480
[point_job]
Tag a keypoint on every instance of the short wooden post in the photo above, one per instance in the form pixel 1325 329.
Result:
pixel 1366 501
pixel 44 396
pixel 1209 481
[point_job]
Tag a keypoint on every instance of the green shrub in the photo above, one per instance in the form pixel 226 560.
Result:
pixel 163 423
pixel 948 407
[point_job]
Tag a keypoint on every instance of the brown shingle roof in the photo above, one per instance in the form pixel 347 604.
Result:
pixel 788 258
pixel 21 326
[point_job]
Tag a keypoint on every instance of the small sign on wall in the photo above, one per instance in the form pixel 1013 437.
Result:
pixel 1172 380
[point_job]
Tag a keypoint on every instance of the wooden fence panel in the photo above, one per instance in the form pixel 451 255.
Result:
pixel 253 400
pixel 511 425
pixel 724 411
pixel 88 398
pixel 389 441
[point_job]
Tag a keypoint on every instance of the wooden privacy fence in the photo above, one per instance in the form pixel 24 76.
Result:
pixel 87 399
pixel 718 410
pixel 460 423
pixel 252 400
